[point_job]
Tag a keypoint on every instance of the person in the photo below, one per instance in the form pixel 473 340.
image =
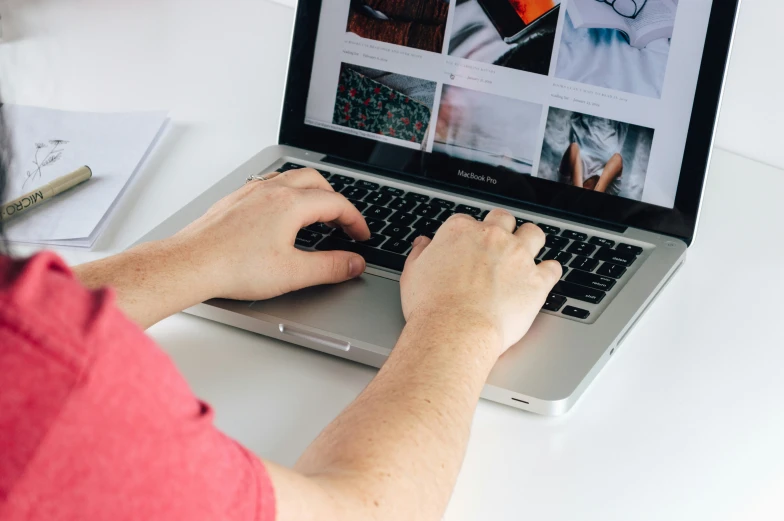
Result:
pixel 96 423
pixel 593 158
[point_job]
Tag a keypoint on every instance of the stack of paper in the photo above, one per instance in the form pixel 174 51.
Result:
pixel 47 144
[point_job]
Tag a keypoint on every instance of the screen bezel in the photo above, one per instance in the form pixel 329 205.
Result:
pixel 533 193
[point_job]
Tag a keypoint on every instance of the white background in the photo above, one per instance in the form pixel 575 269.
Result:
pixel 684 423
pixel 753 109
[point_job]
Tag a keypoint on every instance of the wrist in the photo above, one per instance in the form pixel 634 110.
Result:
pixel 474 332
pixel 185 269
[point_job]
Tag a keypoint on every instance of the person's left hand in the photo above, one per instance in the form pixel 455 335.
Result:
pixel 246 240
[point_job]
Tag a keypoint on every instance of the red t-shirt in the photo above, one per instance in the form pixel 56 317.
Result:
pixel 97 423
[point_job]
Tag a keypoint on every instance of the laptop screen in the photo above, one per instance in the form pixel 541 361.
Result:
pixel 594 94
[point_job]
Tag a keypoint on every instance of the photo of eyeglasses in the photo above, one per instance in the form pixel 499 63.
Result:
pixel 626 8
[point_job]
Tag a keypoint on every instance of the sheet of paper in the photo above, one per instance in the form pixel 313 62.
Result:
pixel 47 144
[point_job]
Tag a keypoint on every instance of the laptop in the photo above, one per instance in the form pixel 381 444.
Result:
pixel 415 110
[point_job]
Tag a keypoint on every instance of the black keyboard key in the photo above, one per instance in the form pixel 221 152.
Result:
pixel 320 228
pixel 396 245
pixel 379 257
pixel 584 263
pixel 402 205
pixel 342 235
pixel 483 215
pixel 367 185
pixel 290 166
pixel 377 212
pixel 609 269
pixel 557 255
pixel 307 238
pixel 554 241
pixel 375 225
pixel 402 218
pixel 375 240
pixel 615 256
pixel 628 248
pixel 581 248
pixel 541 252
pixel 397 192
pixel 361 205
pixel 521 221
pixel 425 226
pixel 413 196
pixel 591 280
pixel 397 231
pixel 601 241
pixel 352 192
pixel 575 236
pixel 578 292
pixel 550 230
pixel 337 186
pixel 554 302
pixel 473 211
pixel 571 311
pixel 428 210
pixel 443 203
pixel 346 180
pixel 378 198
pixel 324 174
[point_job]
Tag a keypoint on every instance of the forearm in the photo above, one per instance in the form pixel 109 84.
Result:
pixel 398 448
pixel 152 281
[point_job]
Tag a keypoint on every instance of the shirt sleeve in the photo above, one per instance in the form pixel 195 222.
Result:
pixel 100 422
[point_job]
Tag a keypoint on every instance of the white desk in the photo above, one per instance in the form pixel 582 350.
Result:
pixel 684 423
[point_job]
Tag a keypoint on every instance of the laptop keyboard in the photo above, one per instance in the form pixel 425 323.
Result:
pixel 592 265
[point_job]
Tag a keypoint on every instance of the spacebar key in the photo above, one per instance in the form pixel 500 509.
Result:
pixel 577 292
pixel 381 258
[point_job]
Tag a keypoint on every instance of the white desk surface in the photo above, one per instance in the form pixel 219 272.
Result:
pixel 685 422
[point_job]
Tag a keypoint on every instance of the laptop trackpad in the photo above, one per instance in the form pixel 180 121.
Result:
pixel 365 309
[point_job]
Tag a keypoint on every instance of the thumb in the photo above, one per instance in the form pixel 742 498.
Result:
pixel 553 270
pixel 328 267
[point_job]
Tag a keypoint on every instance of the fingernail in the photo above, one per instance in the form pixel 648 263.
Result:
pixel 418 240
pixel 356 265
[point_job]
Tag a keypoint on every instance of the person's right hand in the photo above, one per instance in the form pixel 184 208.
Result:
pixel 480 275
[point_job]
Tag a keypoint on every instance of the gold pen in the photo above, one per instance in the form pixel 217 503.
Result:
pixel 46 192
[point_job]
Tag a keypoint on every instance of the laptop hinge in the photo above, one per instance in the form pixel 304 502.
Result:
pixel 468 192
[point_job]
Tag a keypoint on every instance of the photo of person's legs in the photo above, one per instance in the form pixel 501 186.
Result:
pixel 595 153
pixel 572 165
pixel 612 170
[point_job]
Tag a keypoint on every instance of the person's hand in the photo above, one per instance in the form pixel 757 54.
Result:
pixel 246 240
pixel 479 275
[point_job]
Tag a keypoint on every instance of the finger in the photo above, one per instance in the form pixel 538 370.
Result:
pixel 532 237
pixel 303 178
pixel 320 206
pixel 419 245
pixel 271 176
pixel 552 271
pixel 326 267
pixel 503 219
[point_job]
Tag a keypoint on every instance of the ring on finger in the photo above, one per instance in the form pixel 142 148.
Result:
pixel 262 177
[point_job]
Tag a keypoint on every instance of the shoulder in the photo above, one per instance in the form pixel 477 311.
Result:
pixel 42 304
pixel 97 416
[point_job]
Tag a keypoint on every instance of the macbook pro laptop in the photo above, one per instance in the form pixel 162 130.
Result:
pixel 597 126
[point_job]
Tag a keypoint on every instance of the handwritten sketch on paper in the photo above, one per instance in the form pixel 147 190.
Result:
pixel 50 156
pixel 47 144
